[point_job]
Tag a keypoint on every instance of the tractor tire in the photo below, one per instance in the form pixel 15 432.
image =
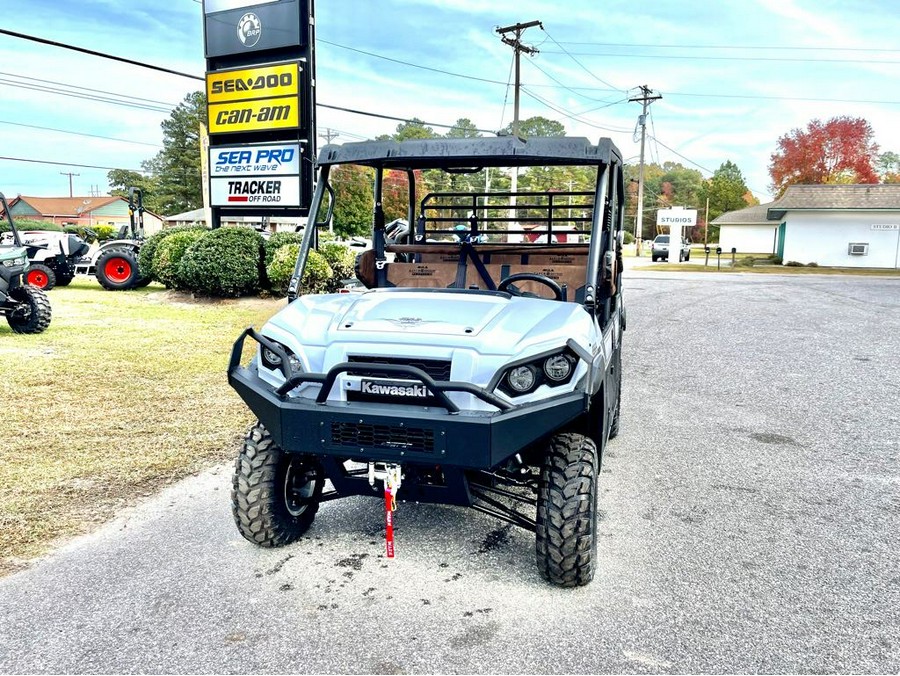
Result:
pixel 274 495
pixel 40 276
pixel 566 536
pixel 32 315
pixel 117 269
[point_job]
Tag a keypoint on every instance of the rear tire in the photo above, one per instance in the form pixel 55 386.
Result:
pixel 275 495
pixel 117 269
pixel 40 276
pixel 33 313
pixel 566 537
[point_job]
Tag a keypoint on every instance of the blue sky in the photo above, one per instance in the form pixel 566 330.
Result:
pixel 734 76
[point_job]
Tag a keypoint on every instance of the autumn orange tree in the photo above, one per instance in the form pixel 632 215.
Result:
pixel 841 150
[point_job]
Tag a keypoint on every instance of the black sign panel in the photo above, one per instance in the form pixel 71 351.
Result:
pixel 244 26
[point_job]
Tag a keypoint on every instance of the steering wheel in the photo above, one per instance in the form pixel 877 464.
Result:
pixel 530 277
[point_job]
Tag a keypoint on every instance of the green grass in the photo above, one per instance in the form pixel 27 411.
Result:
pixel 125 392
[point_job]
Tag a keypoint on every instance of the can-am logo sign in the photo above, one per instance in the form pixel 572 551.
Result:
pixel 281 192
pixel 270 160
pixel 249 29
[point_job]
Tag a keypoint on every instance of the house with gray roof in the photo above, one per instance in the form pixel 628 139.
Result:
pixel 839 225
pixel 747 230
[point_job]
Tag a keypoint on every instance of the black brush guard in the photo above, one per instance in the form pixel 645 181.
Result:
pixel 468 448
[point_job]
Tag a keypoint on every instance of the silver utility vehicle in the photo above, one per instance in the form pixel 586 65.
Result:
pixel 481 367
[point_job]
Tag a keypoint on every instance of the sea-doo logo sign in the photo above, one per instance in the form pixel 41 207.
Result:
pixel 388 389
pixel 253 83
pixel 271 160
pixel 249 29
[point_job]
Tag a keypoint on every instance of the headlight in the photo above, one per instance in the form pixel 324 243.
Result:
pixel 271 360
pixel 557 368
pixel 14 262
pixel 551 369
pixel 269 357
pixel 521 378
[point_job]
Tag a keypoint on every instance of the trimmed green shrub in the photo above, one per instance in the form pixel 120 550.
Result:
pixel 342 262
pixel 168 255
pixel 148 249
pixel 23 224
pixel 278 240
pixel 794 264
pixel 316 278
pixel 776 260
pixel 812 265
pixel 627 238
pixel 224 262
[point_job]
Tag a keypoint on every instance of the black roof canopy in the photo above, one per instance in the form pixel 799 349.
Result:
pixel 501 151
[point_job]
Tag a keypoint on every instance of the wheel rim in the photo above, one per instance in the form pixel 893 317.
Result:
pixel 299 486
pixel 117 269
pixel 37 278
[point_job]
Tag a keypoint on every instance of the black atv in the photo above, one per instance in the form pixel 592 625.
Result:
pixel 26 307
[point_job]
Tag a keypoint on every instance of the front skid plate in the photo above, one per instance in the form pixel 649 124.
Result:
pixel 477 441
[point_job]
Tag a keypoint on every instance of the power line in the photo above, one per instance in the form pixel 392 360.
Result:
pixel 91 52
pixel 67 164
pixel 76 133
pixel 695 57
pixel 399 119
pixel 587 70
pixel 562 112
pixel 694 47
pixel 77 95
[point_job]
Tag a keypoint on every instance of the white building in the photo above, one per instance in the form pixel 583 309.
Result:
pixel 747 230
pixel 839 225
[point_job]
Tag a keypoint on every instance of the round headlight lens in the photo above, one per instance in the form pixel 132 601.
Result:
pixel 557 367
pixel 521 378
pixel 271 357
pixel 294 361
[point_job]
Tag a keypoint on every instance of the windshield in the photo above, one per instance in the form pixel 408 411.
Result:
pixel 662 239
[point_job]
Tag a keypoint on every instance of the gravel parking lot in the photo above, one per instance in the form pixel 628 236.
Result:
pixel 751 523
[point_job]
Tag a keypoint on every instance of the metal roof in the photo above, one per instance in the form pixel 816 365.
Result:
pixel 837 197
pixel 501 151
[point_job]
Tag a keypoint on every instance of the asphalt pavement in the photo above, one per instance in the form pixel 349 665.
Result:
pixel 750 523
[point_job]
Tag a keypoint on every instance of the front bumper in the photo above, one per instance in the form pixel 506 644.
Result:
pixel 382 432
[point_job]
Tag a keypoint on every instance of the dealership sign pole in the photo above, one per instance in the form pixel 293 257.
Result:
pixel 260 89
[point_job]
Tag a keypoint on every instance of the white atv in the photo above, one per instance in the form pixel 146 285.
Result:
pixel 481 368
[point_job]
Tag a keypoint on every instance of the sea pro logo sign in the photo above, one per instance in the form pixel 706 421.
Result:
pixel 258 191
pixel 254 99
pixel 270 160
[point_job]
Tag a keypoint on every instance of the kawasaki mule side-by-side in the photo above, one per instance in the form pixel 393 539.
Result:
pixel 480 368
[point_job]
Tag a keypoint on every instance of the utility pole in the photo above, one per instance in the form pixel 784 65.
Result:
pixel 70 175
pixel 329 135
pixel 645 99
pixel 518 48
